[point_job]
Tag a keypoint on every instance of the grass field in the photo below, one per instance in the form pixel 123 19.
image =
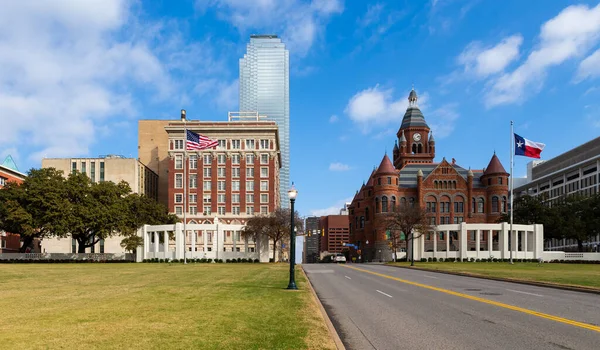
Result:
pixel 587 275
pixel 157 306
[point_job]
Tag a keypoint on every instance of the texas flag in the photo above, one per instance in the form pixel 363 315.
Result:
pixel 528 148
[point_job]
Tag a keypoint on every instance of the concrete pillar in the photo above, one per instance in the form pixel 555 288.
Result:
pixel 193 254
pixel 504 241
pixel 435 237
pixel 490 237
pixel 156 244
pixel 523 236
pixel 447 237
pixel 233 240
pixel 205 241
pixel 526 238
pixel 166 243
pixel 464 239
pixel 179 244
pixel 146 242
pixel 477 242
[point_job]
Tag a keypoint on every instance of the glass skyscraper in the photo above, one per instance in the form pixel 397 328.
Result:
pixel 265 88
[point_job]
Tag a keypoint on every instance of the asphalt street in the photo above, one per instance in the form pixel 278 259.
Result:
pixel 383 307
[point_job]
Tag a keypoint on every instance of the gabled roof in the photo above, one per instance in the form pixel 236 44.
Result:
pixel 495 167
pixel 408 174
pixel 385 167
pixel 10 163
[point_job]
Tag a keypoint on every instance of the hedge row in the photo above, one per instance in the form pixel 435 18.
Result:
pixel 203 260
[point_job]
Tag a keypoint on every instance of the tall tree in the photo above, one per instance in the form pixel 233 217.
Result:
pixel 410 220
pixel 35 208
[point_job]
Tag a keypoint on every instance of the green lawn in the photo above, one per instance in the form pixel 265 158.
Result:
pixel 587 275
pixel 157 306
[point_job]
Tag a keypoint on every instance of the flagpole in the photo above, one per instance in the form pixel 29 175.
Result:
pixel 512 154
pixel 185 202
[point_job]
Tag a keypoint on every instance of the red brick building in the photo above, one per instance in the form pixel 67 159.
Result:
pixel 450 193
pixel 336 232
pixel 9 172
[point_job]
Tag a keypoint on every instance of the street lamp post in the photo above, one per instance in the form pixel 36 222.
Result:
pixel 292 193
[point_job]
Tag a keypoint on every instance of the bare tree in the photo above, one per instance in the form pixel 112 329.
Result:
pixel 275 226
pixel 410 220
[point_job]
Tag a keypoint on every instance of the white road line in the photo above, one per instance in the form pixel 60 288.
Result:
pixel 387 295
pixel 518 291
pixel 430 276
pixel 348 277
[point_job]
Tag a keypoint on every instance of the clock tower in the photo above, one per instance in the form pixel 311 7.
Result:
pixel 415 143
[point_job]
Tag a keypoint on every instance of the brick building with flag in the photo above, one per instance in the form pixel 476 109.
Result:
pixel 450 193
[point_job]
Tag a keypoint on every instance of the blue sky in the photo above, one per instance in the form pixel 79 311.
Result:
pixel 75 79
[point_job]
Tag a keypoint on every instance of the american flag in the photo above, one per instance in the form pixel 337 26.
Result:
pixel 196 142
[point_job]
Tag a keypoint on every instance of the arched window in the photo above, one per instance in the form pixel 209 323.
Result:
pixel 367 214
pixel 445 185
pixel 379 181
pixel 414 148
pixel 393 203
pixel 376 205
pixel 481 205
pixel 504 204
pixel 411 201
pixel 459 205
pixel 384 204
pixel 495 204
pixel 420 148
pixel 435 184
pixel 403 202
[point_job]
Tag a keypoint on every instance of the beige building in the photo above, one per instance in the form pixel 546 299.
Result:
pixel 113 168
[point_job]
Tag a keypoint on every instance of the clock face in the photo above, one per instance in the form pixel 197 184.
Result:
pixel 417 137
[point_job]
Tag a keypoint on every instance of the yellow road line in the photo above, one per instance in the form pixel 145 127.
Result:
pixel 486 301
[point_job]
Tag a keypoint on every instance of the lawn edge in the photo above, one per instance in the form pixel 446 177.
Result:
pixel 332 331
pixel 504 279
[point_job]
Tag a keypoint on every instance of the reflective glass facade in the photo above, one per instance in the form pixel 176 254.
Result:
pixel 265 88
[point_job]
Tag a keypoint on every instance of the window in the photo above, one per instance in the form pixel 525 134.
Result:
pixel 193 210
pixel 250 158
pixel 264 209
pixel 179 210
pixel 221 210
pixel 193 198
pixel 458 219
pixel 377 208
pixel 367 214
pixel 73 167
pixel 207 185
pixel 221 198
pixel 264 171
pixel 193 180
pixel 207 172
pixel 235 144
pixel 264 144
pixel 384 204
pixel 249 172
pixel 379 181
pixel 489 181
pixel 206 199
pixel 499 180
pixel 235 210
pixel 431 207
pixel 444 207
pixel 83 168
pixel 178 198
pixel 221 185
pixel 235 172
pixel 432 221
pixel 209 235
pixel 362 222
pixel 221 159
pixel 250 210
pixel 389 180
pixel 459 207
pixel 411 202
pixel 495 208
pixel 178 144
pixel 264 185
pixel 101 171
pixel 207 159
pixel 193 161
pixel 222 144
pixel 393 204
pixel 264 158
pixel 249 185
pixel 480 205
pixel 249 198
pixel 178 161
pixel 235 198
pixel 93 171
pixel 178 180
pixel 249 144
pixel 235 159
pixel 235 185
pixel 221 172
pixel 207 210
pixel 264 198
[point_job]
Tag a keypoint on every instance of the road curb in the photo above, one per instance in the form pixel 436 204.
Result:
pixel 334 334
pixel 531 283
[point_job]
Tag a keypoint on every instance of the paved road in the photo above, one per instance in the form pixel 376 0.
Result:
pixel 383 307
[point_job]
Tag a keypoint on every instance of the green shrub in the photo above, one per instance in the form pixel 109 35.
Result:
pixel 256 261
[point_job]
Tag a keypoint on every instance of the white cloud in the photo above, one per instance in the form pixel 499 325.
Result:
pixel 334 118
pixel 376 106
pixel 69 69
pixel 568 35
pixel 338 167
pixel 299 23
pixel 483 62
pixel 442 120
pixel 589 67
pixel 332 210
